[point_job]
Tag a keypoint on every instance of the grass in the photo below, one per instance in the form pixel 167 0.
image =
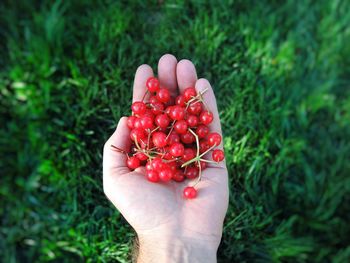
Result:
pixel 281 73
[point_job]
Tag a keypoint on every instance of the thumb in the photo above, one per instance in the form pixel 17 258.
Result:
pixel 114 162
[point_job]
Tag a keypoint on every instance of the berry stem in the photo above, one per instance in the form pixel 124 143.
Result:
pixel 199 175
pixel 207 161
pixel 211 148
pixel 197 158
pixel 171 129
pixel 144 95
pixel 117 149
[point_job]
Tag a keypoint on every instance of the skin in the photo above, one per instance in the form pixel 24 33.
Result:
pixel 169 227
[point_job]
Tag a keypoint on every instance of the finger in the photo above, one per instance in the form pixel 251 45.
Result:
pixel 114 162
pixel 210 102
pixel 186 74
pixel 143 72
pixel 167 73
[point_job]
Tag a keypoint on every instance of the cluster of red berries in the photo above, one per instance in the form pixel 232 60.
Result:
pixel 170 137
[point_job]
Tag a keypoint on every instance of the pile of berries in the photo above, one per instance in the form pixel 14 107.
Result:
pixel 170 137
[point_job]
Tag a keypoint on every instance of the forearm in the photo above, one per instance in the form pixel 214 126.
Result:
pixel 176 250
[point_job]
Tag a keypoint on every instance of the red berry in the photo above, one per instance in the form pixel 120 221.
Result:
pixel 141 156
pixel 137 123
pixel 218 155
pixel 166 174
pixel 131 122
pixel 177 149
pixel 168 109
pixel 177 113
pixel 137 134
pixel 189 154
pixel 159 139
pixel 138 107
pixel 206 117
pixel 192 120
pixel 152 84
pixel 166 153
pixel 190 192
pixel 202 164
pixel 202 131
pixel 162 120
pixel 152 176
pixel 214 138
pixel 189 93
pixel 172 166
pixel 195 107
pixel 191 172
pixel 157 164
pixel 178 176
pixel 133 162
pixel 146 122
pixel 153 99
pixel 203 146
pixel 180 100
pixel 157 107
pixel 180 127
pixel 187 137
pixel 173 137
pixel 149 166
pixel 163 95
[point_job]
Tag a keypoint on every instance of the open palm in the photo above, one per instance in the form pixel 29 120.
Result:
pixel 155 209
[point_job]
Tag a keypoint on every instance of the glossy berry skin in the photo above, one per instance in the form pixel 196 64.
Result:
pixel 159 139
pixel 191 172
pixel 133 162
pixel 148 113
pixel 187 137
pixel 180 127
pixel 189 93
pixel 173 137
pixel 203 146
pixel 157 107
pixel 152 176
pixel 153 99
pixel 162 120
pixel 149 166
pixel 138 107
pixel 192 121
pixel 173 166
pixel 189 154
pixel 146 122
pixel 218 155
pixel 163 95
pixel 177 149
pixel 152 84
pixel 195 108
pixel 157 164
pixel 214 138
pixel 165 153
pixel 131 122
pixel 137 123
pixel 206 117
pixel 190 192
pixel 165 174
pixel 202 131
pixel 177 113
pixel 141 156
pixel 178 176
pixel 180 100
pixel 137 134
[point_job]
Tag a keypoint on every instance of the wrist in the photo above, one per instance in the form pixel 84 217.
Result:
pixel 176 249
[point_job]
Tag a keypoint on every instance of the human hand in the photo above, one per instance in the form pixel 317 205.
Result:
pixel 165 222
